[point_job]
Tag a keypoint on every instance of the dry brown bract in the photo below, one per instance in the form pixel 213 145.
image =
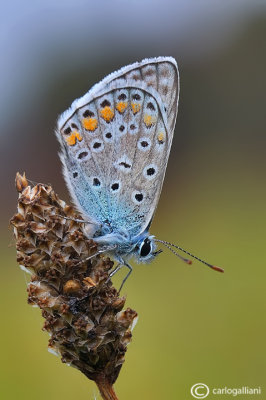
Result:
pixel 82 310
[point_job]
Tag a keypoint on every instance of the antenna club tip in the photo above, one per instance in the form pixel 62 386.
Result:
pixel 217 268
pixel 189 262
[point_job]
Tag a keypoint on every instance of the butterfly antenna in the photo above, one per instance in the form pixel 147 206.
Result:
pixel 186 260
pixel 168 244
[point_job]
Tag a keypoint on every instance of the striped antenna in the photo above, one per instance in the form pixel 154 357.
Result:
pixel 168 244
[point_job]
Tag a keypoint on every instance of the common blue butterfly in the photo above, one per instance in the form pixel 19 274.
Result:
pixel 115 143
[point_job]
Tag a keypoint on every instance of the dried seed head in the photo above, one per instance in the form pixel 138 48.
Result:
pixel 71 286
pixel 82 309
pixel 21 182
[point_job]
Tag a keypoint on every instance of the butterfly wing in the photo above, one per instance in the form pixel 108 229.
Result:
pixel 115 143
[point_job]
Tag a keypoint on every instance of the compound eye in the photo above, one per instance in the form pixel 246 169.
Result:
pixel 145 248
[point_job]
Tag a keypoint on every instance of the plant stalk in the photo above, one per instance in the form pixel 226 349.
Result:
pixel 106 389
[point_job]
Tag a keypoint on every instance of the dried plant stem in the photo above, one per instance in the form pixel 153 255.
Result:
pixel 106 389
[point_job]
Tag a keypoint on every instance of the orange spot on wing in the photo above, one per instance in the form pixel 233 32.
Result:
pixel 72 139
pixel 107 113
pixel 135 107
pixel 90 124
pixel 78 136
pixel 121 106
pixel 161 137
pixel 149 120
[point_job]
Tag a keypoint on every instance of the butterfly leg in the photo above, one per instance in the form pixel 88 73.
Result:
pixel 96 254
pixel 127 276
pixel 117 268
pixel 77 220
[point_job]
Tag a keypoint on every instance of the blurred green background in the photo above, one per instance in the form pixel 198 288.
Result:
pixel 195 325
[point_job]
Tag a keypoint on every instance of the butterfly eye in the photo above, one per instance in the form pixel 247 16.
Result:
pixel 145 248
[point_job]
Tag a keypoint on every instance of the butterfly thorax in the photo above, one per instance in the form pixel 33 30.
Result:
pixel 122 246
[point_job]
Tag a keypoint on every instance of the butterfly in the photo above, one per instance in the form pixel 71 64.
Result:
pixel 115 143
